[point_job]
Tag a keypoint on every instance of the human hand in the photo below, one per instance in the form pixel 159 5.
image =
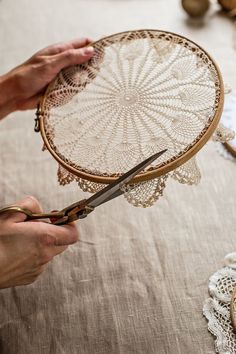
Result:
pixel 22 87
pixel 26 247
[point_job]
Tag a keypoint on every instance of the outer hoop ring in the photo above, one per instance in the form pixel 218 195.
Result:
pixel 152 173
pixel 230 149
pixel 233 309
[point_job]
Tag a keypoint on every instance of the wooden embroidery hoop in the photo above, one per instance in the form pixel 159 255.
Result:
pixel 233 309
pixel 230 148
pixel 152 172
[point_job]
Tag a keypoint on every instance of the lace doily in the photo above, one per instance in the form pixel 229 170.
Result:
pixel 143 91
pixel 217 307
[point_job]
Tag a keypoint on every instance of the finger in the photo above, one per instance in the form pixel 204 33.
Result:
pixel 72 57
pixel 61 47
pixel 29 103
pixel 30 203
pixel 53 219
pixel 53 235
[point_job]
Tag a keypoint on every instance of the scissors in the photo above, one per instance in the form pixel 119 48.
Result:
pixel 82 208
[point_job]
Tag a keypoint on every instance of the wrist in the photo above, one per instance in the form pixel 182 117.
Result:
pixel 8 101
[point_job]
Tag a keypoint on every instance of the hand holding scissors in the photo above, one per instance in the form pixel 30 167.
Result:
pixel 82 208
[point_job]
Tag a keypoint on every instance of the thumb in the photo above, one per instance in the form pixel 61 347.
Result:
pixel 72 57
pixel 30 203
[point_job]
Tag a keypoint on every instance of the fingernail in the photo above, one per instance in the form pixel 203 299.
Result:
pixel 88 50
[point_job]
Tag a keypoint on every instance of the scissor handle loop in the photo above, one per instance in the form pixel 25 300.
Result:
pixel 29 214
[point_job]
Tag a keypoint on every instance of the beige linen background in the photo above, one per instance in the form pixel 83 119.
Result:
pixel 140 287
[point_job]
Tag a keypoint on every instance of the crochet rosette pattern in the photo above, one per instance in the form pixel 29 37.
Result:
pixel 143 91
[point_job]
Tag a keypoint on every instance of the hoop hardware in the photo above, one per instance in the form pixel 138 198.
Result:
pixel 38 114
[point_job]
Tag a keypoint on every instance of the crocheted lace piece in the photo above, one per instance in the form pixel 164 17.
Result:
pixel 64 177
pixel 188 173
pixel 217 307
pixel 142 91
pixel 91 187
pixel 145 194
pixel 223 134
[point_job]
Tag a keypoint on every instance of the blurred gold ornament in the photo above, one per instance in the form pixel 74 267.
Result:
pixel 228 5
pixel 196 8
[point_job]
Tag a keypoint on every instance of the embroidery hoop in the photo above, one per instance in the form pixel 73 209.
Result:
pixel 165 46
pixel 233 309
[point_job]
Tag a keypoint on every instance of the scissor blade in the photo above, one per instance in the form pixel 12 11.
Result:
pixel 114 189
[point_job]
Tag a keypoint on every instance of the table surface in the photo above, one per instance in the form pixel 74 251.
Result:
pixel 141 285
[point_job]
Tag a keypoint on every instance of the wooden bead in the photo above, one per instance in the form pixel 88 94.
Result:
pixel 228 5
pixel 196 8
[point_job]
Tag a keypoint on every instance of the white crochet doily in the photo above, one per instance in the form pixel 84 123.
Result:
pixel 217 308
pixel 142 91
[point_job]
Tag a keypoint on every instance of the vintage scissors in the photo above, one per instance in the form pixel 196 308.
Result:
pixel 82 208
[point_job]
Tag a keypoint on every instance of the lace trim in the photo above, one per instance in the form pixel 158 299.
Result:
pixel 223 134
pixel 217 308
pixel 188 173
